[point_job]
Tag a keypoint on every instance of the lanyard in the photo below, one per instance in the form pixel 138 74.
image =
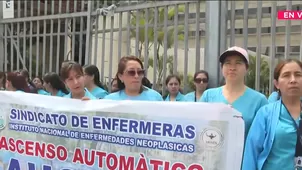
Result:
pixel 195 97
pixel 299 135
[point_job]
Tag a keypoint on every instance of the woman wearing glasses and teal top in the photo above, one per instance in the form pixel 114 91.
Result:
pixel 274 140
pixel 129 77
pixel 234 66
pixel 201 79
pixel 92 82
pixel 173 85
pixel 73 76
pixel 54 85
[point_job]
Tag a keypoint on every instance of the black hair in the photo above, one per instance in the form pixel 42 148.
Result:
pixel 146 82
pixel 55 81
pixel 32 87
pixel 92 70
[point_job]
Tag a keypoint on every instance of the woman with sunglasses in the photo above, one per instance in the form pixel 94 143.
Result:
pixel 173 85
pixel 234 66
pixel 73 76
pixel 274 140
pixel 201 79
pixel 129 77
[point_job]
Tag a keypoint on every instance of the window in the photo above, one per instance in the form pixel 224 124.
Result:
pixel 252 30
pixel 238 31
pixel 252 49
pixel 252 11
pixel 202 15
pixel 280 49
pixel 192 15
pixel 267 10
pixel 297 7
pixel 266 30
pixel 193 33
pixel 280 29
pixel 239 12
pixel 295 49
pixel 295 28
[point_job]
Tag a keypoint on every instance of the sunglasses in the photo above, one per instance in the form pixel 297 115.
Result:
pixel 199 80
pixel 140 73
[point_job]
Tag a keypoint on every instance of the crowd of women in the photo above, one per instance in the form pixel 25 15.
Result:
pixel 272 135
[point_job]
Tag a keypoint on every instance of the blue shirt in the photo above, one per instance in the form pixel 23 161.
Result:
pixel 43 92
pixel 87 94
pixel 283 149
pixel 264 136
pixel 99 92
pixel 60 93
pixel 146 95
pixel 179 98
pixel 273 97
pixel 190 97
pixel 248 104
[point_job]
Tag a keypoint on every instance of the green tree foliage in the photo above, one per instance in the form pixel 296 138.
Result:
pixel 143 17
pixel 264 74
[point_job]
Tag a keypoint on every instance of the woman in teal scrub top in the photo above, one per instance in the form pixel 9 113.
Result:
pixel 129 77
pixel 234 66
pixel 54 85
pixel 16 82
pixel 272 139
pixel 73 75
pixel 38 82
pixel 92 82
pixel 173 85
pixel 201 79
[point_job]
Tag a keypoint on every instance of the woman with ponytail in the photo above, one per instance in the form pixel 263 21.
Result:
pixel 92 81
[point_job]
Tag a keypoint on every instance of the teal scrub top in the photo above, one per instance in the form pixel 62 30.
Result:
pixel 43 92
pixel 146 95
pixel 179 98
pixel 248 104
pixel 283 149
pixel 190 97
pixel 87 94
pixel 99 92
pixel 20 91
pixel 273 97
pixel 60 93
pixel 270 124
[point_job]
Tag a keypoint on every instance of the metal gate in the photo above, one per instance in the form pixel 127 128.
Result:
pixel 169 36
pixel 92 32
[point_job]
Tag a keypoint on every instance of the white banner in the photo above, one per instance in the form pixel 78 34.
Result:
pixel 52 133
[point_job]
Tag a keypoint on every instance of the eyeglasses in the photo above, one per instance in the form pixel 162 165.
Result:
pixel 199 80
pixel 140 73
